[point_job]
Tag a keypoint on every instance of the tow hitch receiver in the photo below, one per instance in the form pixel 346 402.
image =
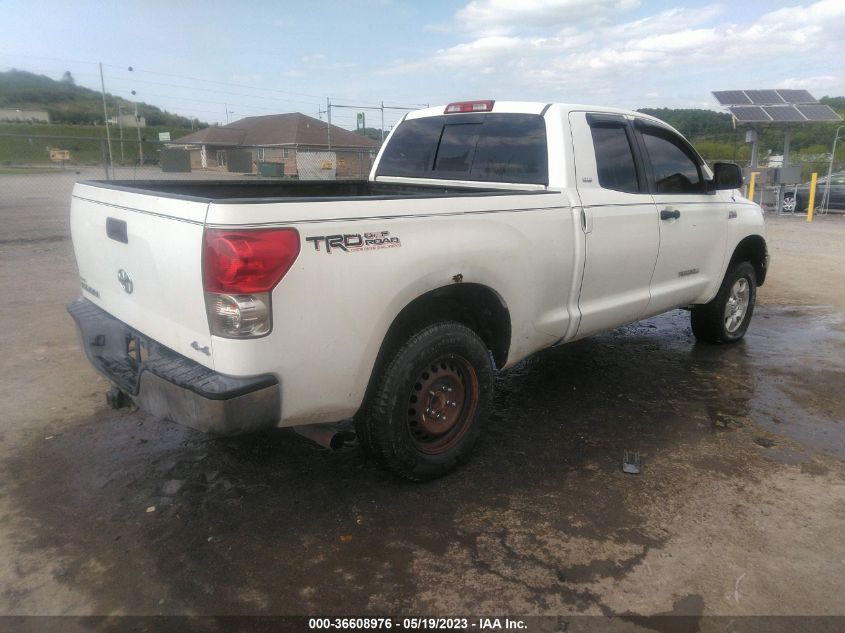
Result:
pixel 116 399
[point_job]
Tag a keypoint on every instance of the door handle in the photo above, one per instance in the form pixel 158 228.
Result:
pixel 586 220
pixel 669 214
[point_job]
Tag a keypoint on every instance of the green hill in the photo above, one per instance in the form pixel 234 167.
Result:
pixel 713 135
pixel 68 103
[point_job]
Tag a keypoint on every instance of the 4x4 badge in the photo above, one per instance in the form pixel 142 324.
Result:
pixel 125 281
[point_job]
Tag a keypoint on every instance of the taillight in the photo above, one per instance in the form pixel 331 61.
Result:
pixel 247 261
pixel 469 106
pixel 240 269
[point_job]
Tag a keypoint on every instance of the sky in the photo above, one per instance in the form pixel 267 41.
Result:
pixel 222 61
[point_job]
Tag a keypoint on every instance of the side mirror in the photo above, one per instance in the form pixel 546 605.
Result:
pixel 727 176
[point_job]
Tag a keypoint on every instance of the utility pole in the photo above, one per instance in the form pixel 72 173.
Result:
pixel 120 125
pixel 138 127
pixel 104 157
pixel 329 126
pixel 826 197
pixel 381 107
pixel 786 138
pixel 106 117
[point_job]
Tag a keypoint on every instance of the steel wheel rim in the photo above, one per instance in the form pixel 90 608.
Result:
pixel 442 404
pixel 737 305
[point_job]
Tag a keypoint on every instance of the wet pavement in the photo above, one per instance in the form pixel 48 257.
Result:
pixel 740 500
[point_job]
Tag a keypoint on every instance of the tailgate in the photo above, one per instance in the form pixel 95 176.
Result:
pixel 140 259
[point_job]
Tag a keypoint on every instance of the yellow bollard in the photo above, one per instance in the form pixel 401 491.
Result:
pixel 751 184
pixel 813 178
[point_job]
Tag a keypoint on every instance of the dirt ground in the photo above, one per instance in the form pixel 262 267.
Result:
pixel 739 510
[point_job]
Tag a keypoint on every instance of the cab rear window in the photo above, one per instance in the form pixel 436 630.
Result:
pixel 482 147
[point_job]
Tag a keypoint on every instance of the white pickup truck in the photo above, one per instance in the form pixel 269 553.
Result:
pixel 487 231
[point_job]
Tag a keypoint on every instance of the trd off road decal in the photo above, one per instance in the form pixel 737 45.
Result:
pixel 355 242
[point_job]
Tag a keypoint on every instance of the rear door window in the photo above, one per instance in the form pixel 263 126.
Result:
pixel 480 147
pixel 617 169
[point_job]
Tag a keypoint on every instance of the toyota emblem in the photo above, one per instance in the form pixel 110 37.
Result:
pixel 125 281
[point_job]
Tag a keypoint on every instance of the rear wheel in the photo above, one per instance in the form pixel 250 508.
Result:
pixel 425 413
pixel 725 319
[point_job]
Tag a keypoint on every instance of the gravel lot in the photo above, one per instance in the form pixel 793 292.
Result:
pixel 739 510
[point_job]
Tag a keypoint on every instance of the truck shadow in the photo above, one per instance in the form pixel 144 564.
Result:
pixel 147 517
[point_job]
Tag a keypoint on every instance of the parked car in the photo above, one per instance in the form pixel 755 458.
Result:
pixel 795 200
pixel 487 231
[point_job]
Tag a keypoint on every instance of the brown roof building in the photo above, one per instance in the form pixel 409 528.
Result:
pixel 292 140
pixel 294 129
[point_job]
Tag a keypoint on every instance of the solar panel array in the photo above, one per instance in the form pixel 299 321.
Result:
pixel 818 112
pixel 732 97
pixel 784 113
pixel 749 113
pixel 763 97
pixel 775 106
pixel 797 96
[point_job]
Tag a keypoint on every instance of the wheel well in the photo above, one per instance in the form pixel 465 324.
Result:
pixel 476 306
pixel 752 249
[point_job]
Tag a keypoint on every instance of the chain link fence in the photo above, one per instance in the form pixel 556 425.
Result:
pixel 38 171
pixel 771 194
pixel 128 159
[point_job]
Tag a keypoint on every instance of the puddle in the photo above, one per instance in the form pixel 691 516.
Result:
pixel 272 524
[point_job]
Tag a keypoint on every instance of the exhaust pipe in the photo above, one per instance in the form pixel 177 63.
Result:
pixel 333 435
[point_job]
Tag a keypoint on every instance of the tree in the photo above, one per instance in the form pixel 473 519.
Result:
pixel 370 132
pixel 67 78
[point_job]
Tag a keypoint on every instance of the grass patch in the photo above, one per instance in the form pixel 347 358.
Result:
pixel 13 171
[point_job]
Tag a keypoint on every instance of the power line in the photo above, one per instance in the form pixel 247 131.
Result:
pixel 226 83
pixel 55 59
pixel 211 90
pixel 122 78
pixel 221 102
pixel 132 80
pixel 175 76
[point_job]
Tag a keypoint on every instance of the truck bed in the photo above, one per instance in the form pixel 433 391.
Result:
pixel 245 191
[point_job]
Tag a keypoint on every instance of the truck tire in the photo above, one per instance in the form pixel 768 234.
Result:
pixel 425 412
pixel 725 319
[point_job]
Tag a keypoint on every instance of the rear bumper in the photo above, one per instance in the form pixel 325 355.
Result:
pixel 171 386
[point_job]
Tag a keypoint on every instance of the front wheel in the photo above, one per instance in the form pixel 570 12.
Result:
pixel 725 319
pixel 425 412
